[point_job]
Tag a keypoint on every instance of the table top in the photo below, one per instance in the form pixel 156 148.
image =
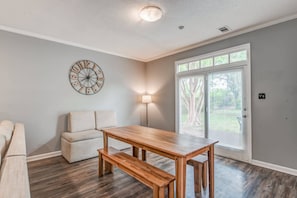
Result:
pixel 180 145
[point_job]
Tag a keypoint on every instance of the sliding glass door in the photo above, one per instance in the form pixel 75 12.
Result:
pixel 212 101
pixel 192 106
pixel 225 108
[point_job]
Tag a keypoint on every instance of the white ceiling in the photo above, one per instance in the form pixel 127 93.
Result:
pixel 113 26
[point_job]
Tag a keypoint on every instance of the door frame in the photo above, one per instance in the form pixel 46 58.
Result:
pixel 246 67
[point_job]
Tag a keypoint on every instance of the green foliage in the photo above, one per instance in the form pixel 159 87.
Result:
pixel 238 56
pixel 183 67
pixel 208 62
pixel 223 59
pixel 221 98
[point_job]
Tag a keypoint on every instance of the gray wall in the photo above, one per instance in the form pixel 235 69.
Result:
pixel 274 70
pixel 35 88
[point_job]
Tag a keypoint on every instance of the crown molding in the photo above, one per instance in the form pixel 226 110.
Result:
pixel 61 41
pixel 196 45
pixel 225 36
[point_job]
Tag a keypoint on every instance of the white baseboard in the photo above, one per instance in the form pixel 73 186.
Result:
pixel 44 156
pixel 275 167
pixel 283 169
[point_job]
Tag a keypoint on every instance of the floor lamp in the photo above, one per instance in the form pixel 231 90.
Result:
pixel 146 99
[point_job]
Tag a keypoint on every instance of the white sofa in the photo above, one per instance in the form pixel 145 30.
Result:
pixel 84 135
pixel 14 179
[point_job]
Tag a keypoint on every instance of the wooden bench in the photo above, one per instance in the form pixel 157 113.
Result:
pixel 149 175
pixel 200 171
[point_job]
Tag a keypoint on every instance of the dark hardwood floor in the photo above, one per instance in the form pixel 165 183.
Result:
pixel 56 178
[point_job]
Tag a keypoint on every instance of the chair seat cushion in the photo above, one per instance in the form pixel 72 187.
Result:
pixel 82 135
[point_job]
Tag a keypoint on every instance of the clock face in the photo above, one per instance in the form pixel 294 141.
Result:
pixel 86 77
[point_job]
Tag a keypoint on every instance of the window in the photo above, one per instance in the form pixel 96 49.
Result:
pixel 208 62
pixel 194 65
pixel 220 59
pixel 238 56
pixel 183 67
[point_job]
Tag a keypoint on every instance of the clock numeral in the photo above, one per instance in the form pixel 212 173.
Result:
pixel 75 69
pixel 80 65
pixel 97 69
pixel 90 90
pixel 99 83
pixel 82 90
pixel 75 83
pixel 73 77
pixel 95 88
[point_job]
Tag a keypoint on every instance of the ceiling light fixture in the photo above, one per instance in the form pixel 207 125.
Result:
pixel 151 13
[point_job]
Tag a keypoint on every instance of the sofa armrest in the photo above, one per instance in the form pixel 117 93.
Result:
pixel 17 145
pixel 14 181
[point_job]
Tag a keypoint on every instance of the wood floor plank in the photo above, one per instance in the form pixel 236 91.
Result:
pixel 54 177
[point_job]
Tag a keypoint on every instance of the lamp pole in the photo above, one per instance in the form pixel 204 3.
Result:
pixel 146 99
pixel 146 114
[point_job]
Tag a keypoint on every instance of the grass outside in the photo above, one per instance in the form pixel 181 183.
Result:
pixel 226 120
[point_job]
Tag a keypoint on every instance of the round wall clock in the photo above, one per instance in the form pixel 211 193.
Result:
pixel 86 77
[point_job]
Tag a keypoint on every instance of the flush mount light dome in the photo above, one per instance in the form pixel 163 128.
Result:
pixel 151 13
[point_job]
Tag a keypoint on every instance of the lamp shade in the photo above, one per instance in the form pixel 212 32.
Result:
pixel 146 99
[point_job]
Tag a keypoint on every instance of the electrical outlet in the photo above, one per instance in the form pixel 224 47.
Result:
pixel 262 96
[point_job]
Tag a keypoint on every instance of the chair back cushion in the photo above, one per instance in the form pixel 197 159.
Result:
pixel 105 119
pixel 81 121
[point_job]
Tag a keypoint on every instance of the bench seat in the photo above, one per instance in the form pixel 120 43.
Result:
pixel 149 175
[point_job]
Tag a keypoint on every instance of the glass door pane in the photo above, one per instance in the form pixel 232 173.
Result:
pixel 225 108
pixel 192 106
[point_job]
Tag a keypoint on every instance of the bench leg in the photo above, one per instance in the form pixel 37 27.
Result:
pixel 108 168
pixel 100 165
pixel 171 190
pixel 204 175
pixel 197 177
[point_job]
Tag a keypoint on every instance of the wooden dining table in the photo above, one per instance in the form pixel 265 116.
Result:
pixel 179 147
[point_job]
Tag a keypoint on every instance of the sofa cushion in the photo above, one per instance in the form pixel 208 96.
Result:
pixel 83 135
pixel 105 119
pixel 6 132
pixel 8 124
pixel 81 121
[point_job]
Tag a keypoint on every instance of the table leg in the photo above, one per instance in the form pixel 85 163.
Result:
pixel 143 155
pixel 107 166
pixel 100 165
pixel 180 176
pixel 135 151
pixel 211 170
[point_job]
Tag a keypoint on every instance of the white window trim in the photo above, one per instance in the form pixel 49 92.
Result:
pixel 247 65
